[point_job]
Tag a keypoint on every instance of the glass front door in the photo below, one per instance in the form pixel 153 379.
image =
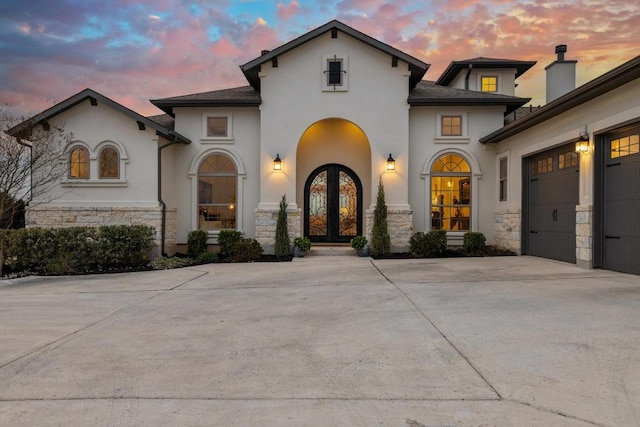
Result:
pixel 333 204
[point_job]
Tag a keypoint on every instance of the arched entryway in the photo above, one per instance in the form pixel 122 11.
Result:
pixel 333 172
pixel 332 204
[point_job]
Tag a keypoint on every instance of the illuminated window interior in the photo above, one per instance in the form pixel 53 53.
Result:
pixel 489 84
pixel 217 186
pixel 625 146
pixel 451 125
pixel 109 163
pixel 79 163
pixel 450 193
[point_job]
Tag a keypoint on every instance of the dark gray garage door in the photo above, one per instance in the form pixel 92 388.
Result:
pixel 622 202
pixel 551 197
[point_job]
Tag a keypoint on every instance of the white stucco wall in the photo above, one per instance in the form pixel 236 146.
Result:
pixel 293 100
pixel 243 147
pixel 93 127
pixel 425 147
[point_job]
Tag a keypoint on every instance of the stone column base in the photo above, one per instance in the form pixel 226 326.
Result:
pixel 399 226
pixel 584 236
pixel 266 221
pixel 508 231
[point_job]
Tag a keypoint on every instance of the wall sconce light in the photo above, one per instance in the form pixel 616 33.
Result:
pixel 582 145
pixel 391 164
pixel 277 164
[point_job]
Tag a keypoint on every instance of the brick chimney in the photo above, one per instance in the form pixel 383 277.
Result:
pixel 561 75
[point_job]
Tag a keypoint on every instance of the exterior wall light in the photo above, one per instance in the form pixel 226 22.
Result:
pixel 582 145
pixel 391 164
pixel 277 164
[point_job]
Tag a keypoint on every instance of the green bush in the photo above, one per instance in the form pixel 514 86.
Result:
pixel 473 243
pixel 302 243
pixel 228 242
pixel 358 242
pixel 380 239
pixel 247 250
pixel 206 257
pixel 196 243
pixel 427 245
pixel 78 249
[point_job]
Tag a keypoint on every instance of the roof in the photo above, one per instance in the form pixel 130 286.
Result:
pixel 607 82
pixel 456 67
pixel 23 130
pixel 244 96
pixel 416 67
pixel 428 93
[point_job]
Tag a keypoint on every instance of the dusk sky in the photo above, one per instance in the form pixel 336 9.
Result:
pixel 133 51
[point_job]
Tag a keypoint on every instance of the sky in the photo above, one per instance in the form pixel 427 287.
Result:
pixel 133 51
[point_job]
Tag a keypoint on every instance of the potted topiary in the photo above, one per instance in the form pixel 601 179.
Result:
pixel 361 245
pixel 301 245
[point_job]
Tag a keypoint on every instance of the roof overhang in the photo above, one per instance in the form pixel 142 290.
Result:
pixel 24 129
pixel 510 104
pixel 456 67
pixel 417 68
pixel 167 105
pixel 607 82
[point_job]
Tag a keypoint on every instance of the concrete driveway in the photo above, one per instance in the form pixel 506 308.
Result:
pixel 325 341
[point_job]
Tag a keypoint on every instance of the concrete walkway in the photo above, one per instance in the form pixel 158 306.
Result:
pixel 325 341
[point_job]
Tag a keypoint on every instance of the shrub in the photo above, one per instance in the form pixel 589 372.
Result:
pixel 473 243
pixel 380 240
pixel 247 250
pixel 196 243
pixel 426 245
pixel 359 242
pixel 283 244
pixel 302 243
pixel 228 242
pixel 206 257
pixel 78 249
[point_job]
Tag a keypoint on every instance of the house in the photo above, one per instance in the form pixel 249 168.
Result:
pixel 323 118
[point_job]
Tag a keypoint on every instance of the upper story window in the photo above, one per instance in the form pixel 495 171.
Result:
pixel 217 127
pixel 489 84
pixel 79 163
pixel 451 125
pixel 109 163
pixel 335 73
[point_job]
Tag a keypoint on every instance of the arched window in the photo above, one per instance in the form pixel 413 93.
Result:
pixel 79 163
pixel 217 188
pixel 450 193
pixel 109 163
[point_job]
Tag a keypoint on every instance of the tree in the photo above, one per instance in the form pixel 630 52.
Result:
pixel 283 244
pixel 32 160
pixel 380 240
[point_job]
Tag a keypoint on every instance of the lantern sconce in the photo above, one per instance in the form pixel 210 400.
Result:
pixel 391 164
pixel 582 145
pixel 277 164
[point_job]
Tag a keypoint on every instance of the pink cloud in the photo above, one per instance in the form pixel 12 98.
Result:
pixel 286 12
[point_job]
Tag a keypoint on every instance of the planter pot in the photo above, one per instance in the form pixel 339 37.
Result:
pixel 298 253
pixel 364 251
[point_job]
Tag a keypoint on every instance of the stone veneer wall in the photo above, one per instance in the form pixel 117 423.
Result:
pixel 92 216
pixel 508 230
pixel 584 236
pixel 399 225
pixel 266 221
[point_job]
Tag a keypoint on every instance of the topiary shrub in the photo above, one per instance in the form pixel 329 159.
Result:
pixel 380 240
pixel 196 243
pixel 473 243
pixel 283 244
pixel 247 250
pixel 427 245
pixel 228 243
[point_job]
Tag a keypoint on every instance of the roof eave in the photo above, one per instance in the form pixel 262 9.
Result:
pixel 511 105
pixel 615 78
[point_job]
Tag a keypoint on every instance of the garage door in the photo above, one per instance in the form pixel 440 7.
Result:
pixel 622 202
pixel 550 204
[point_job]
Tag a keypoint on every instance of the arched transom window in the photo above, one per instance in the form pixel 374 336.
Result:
pixel 217 192
pixel 79 163
pixel 450 193
pixel 109 163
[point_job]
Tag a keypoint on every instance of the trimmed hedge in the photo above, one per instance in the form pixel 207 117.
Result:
pixel 55 251
pixel 196 243
pixel 427 245
pixel 473 243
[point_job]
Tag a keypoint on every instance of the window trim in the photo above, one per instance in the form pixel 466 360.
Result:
pixel 100 153
pixel 344 86
pixel 503 182
pixel 88 162
pixel 205 127
pixel 451 139
pixel 94 179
